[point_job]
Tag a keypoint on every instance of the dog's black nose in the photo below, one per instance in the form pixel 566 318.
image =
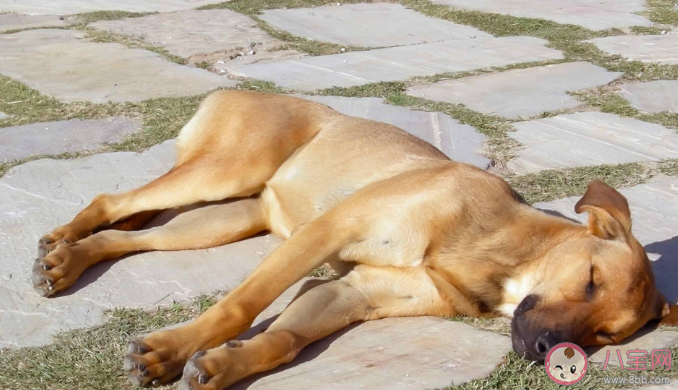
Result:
pixel 543 345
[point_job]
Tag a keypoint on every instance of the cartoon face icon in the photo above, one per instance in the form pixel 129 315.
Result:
pixel 566 364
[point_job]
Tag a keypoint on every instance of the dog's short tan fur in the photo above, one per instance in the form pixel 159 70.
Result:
pixel 410 232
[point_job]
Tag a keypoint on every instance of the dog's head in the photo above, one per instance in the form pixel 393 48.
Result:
pixel 595 288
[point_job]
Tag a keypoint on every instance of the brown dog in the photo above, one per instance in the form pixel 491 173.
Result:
pixel 410 232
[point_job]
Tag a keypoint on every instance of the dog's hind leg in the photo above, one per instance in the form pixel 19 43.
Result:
pixel 235 142
pixel 365 293
pixel 204 227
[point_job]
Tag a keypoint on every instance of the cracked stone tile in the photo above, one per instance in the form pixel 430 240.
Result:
pixel 458 141
pixel 367 25
pixel 654 210
pixel 519 93
pixel 652 96
pixel 65 136
pixel 41 195
pixel 105 71
pixel 593 14
pixel 400 63
pixel 588 139
pixel 14 21
pixel 70 7
pixel 393 353
pixel 645 48
pixel 220 32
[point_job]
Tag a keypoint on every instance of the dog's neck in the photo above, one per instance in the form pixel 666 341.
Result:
pixel 494 265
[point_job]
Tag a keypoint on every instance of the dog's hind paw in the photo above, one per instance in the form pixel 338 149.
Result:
pixel 58 270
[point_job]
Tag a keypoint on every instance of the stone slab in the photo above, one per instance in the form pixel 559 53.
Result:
pixel 41 195
pixel 70 7
pixel 519 93
pixel 393 353
pixel 458 141
pixel 652 96
pixel 400 63
pixel 592 14
pixel 13 21
pixel 367 25
pixel 645 48
pixel 654 210
pixel 188 33
pixel 65 136
pixel 587 139
pixel 65 65
pixel 646 340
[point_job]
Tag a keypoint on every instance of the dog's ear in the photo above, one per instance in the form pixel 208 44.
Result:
pixel 609 214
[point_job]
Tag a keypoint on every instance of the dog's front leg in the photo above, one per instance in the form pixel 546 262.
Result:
pixel 162 355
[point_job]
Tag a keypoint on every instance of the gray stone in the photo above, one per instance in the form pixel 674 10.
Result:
pixel 589 138
pixel 367 25
pixel 70 7
pixel 3 115
pixel 593 14
pixel 645 48
pixel 458 141
pixel 652 96
pixel 60 137
pixel 12 21
pixel 400 63
pixel 61 63
pixel 392 353
pixel 41 195
pixel 188 33
pixel 519 93
pixel 654 210
pixel 645 340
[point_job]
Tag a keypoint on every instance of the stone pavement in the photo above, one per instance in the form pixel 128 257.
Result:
pixel 593 14
pixel 394 43
pixel 652 96
pixel 587 139
pixel 519 93
pixel 60 137
pixel 353 24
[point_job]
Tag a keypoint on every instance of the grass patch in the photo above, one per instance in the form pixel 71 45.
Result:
pixel 90 358
pixel 662 11
pixel 96 16
pixel 100 36
pixel 518 374
pixel 555 184
pixel 606 100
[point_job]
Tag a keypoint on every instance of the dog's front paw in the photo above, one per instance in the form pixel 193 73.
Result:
pixel 215 369
pixel 58 270
pixel 157 359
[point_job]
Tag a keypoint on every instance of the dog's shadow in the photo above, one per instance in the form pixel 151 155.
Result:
pixel 311 352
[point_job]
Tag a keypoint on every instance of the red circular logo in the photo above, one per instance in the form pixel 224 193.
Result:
pixel 566 364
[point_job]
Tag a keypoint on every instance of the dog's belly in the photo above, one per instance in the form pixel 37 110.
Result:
pixel 343 158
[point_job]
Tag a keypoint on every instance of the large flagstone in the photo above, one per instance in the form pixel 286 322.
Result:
pixel 589 139
pixel 400 63
pixel 519 93
pixel 593 14
pixel 367 25
pixel 66 65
